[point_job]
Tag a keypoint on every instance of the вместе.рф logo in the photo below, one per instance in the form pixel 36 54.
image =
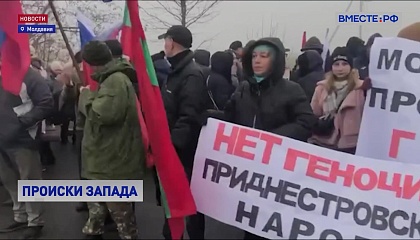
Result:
pixel 367 18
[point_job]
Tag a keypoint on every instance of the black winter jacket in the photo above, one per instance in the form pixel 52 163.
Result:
pixel 202 58
pixel 361 63
pixel 21 114
pixel 219 82
pixel 311 72
pixel 184 97
pixel 275 104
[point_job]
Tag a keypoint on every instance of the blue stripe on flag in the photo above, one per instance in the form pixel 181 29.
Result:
pixel 85 34
pixel 2 37
pixel 85 26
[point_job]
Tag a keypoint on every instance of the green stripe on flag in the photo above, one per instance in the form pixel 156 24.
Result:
pixel 126 20
pixel 149 63
pixel 163 199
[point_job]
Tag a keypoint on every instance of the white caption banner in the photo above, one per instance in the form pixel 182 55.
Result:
pixel 80 190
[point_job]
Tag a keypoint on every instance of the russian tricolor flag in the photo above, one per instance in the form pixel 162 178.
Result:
pixel 14 47
pixel 87 34
pixel 110 33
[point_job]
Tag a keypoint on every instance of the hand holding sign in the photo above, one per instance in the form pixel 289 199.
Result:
pixel 367 84
pixel 392 109
pixel 283 188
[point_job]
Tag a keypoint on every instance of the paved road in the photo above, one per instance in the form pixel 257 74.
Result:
pixel 63 222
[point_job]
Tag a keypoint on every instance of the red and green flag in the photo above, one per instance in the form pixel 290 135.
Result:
pixel 177 198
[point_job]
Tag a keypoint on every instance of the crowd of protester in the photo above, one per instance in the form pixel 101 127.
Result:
pixel 321 104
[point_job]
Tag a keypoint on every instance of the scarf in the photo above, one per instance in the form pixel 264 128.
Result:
pixel 335 97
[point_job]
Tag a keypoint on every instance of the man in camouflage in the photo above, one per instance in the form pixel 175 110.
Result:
pixel 112 145
pixel 121 213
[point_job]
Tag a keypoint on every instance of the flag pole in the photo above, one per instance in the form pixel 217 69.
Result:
pixel 66 40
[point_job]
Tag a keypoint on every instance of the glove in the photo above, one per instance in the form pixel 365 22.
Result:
pixel 203 118
pixel 367 84
pixel 210 114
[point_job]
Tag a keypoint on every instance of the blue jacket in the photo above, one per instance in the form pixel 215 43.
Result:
pixel 162 69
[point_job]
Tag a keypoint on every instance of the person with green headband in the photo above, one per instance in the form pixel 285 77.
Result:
pixel 265 100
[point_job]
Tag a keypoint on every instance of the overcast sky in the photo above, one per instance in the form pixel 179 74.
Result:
pixel 239 20
pixel 244 20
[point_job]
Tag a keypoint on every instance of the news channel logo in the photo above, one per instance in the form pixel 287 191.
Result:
pixel 365 18
pixel 38 28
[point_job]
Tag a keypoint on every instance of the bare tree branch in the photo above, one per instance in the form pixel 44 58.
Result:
pixel 161 24
pixel 208 41
pixel 163 14
pixel 50 46
pixel 260 33
pixel 170 11
pixel 189 9
pixel 202 16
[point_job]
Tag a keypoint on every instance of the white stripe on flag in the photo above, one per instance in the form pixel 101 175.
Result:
pixel 105 35
pixel 89 24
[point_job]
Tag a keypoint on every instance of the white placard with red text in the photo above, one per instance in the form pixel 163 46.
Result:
pixel 314 200
pixel 390 125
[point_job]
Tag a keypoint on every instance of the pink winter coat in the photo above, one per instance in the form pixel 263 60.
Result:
pixel 347 121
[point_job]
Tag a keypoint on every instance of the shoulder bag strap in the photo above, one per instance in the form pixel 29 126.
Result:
pixel 341 102
pixel 211 94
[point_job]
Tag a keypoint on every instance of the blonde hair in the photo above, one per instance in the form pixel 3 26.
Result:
pixel 351 79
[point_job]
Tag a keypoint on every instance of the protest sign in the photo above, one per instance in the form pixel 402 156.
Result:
pixel 391 115
pixel 276 187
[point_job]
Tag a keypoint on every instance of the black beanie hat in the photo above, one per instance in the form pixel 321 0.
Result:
pixel 115 46
pixel 342 53
pixel 96 53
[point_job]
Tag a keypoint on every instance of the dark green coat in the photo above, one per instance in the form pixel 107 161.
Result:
pixel 112 147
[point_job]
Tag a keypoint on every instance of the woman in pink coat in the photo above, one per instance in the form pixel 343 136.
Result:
pixel 338 103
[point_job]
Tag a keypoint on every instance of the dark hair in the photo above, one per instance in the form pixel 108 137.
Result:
pixel 78 57
pixel 115 46
pixel 235 45
pixel 36 63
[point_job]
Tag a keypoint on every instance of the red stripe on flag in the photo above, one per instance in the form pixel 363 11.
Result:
pixel 303 39
pixel 87 72
pixel 171 172
pixel 126 40
pixel 15 53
